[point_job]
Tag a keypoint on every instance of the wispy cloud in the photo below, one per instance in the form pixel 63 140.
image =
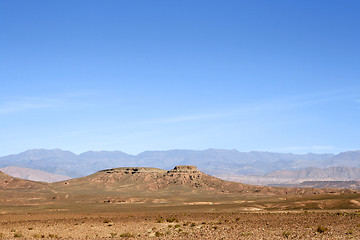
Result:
pixel 18 106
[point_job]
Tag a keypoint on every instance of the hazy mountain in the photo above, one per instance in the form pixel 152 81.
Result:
pixel 335 173
pixel 66 163
pixel 330 184
pixel 33 174
pixel 286 177
pixel 53 161
pixel 232 161
pixel 349 158
pixel 212 161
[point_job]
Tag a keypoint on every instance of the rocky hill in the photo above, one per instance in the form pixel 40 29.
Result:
pixel 181 186
pixel 143 182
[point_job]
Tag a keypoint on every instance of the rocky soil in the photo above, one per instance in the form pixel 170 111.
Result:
pixel 280 225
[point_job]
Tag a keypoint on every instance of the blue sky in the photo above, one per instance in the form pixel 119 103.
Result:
pixel 135 75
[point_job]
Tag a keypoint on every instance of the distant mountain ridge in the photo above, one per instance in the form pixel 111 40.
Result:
pixel 294 177
pixel 338 173
pixel 212 161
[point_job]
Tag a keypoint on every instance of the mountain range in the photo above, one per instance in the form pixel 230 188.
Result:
pixel 216 162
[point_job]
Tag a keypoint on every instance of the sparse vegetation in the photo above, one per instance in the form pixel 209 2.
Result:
pixel 286 234
pixel 170 220
pixel 321 229
pixel 126 235
pixel 52 236
pixel 158 234
pixel 18 235
pixel 160 220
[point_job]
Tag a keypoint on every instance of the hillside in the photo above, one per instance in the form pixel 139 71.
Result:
pixel 153 185
pixel 33 174
pixel 131 187
pixel 9 182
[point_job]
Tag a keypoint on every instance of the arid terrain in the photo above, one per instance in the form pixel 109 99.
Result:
pixel 182 203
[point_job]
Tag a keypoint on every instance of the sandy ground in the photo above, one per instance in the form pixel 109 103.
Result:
pixel 182 225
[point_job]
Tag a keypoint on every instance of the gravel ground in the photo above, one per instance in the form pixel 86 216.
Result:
pixel 284 225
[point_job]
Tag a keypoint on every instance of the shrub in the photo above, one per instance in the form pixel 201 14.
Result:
pixel 321 229
pixel 158 234
pixel 18 235
pixel 160 220
pixel 127 234
pixel 52 236
pixel 170 220
pixel 286 234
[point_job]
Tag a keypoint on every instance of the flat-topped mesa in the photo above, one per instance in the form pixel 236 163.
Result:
pixel 185 169
pixel 133 170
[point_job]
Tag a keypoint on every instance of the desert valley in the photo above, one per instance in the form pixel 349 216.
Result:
pixel 182 203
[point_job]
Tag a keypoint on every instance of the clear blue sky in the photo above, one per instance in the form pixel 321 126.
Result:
pixel 156 75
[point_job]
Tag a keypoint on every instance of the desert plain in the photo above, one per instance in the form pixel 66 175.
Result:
pixel 183 203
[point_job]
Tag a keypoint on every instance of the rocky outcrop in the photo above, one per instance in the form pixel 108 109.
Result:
pixel 182 178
